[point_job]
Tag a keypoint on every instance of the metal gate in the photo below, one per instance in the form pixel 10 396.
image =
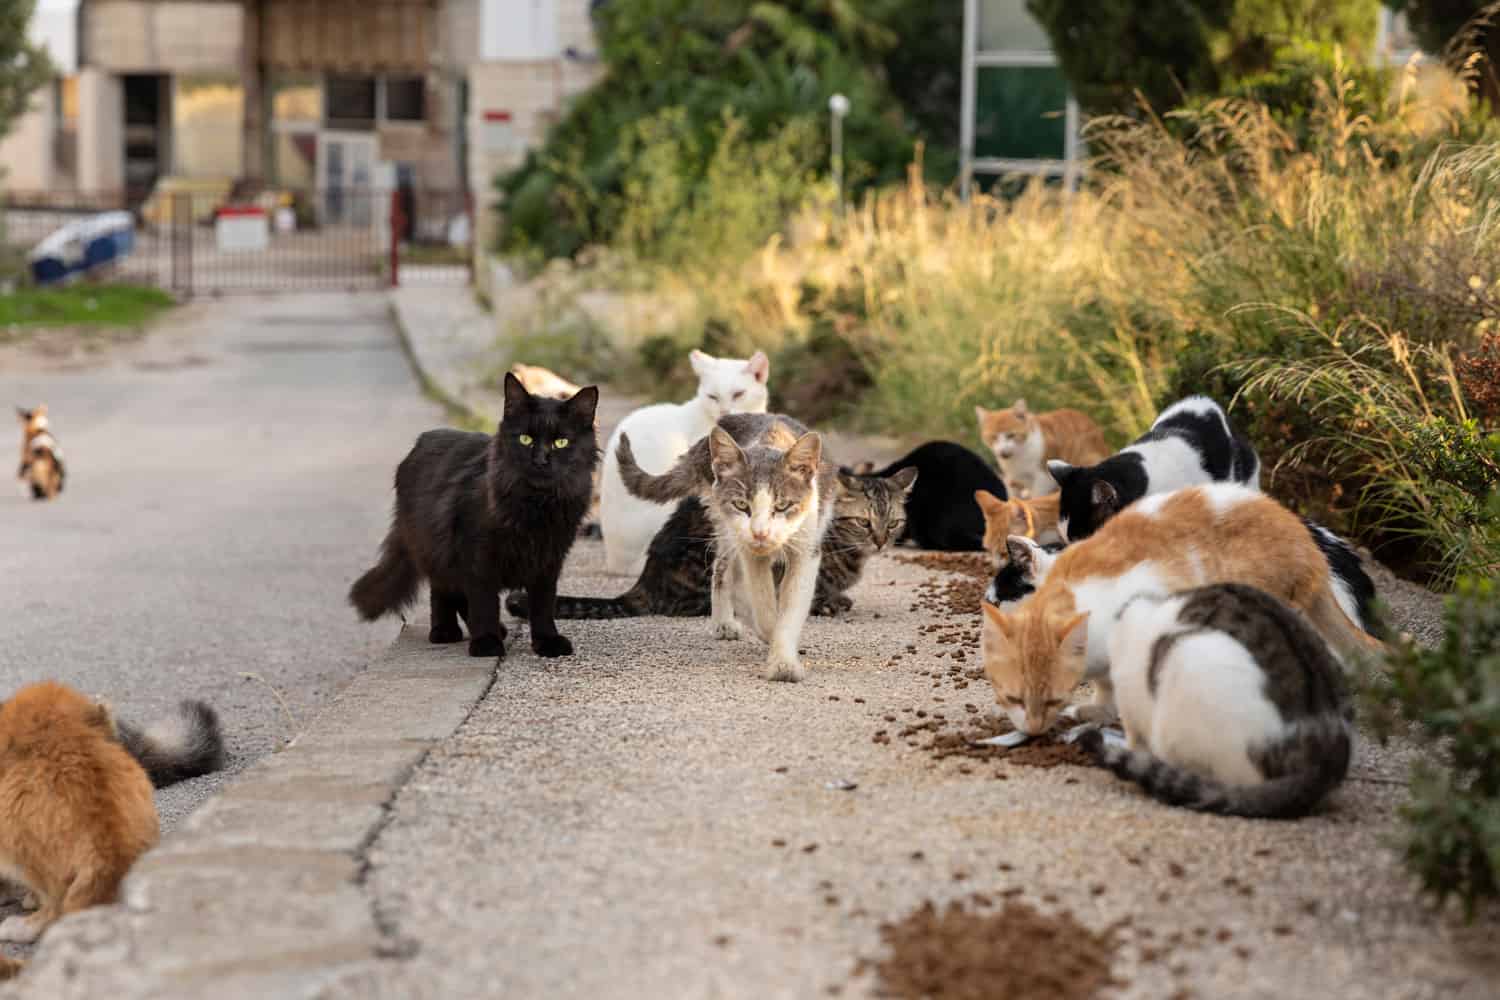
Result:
pixel 189 243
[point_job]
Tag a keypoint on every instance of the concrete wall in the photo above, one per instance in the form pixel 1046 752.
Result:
pixel 101 132
pixel 139 36
pixel 26 152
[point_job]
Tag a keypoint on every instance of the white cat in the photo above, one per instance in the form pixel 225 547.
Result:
pixel 659 435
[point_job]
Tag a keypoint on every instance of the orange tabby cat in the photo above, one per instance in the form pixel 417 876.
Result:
pixel 1033 519
pixel 76 810
pixel 1024 442
pixel 1217 533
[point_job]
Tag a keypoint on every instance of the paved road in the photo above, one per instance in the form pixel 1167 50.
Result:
pixel 228 478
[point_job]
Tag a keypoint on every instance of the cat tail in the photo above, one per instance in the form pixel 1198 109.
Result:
pixel 1306 763
pixel 1338 629
pixel 184 745
pixel 683 480
pixel 631 604
pixel 390 585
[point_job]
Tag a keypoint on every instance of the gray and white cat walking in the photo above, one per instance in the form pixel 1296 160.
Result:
pixel 769 491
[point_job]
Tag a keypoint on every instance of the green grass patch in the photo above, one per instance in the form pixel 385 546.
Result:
pixel 81 305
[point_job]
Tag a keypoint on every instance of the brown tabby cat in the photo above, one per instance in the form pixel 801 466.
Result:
pixel 1024 442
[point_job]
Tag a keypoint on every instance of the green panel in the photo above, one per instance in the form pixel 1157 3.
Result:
pixel 1019 112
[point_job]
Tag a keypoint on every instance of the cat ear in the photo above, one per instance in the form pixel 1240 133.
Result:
pixel 1021 554
pixel 980 413
pixel 22 415
pixel 760 366
pixel 905 479
pixel 849 481
pixel 724 454
pixel 516 396
pixel 1019 408
pixel 803 457
pixel 1059 471
pixel 1104 497
pixel 1075 635
pixel 990 505
pixel 698 360
pixel 997 619
pixel 582 404
pixel 40 411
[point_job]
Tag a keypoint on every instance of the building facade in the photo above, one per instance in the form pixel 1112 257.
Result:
pixel 295 94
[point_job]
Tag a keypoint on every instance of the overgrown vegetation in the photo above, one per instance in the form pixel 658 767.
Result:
pixel 23 66
pixel 1448 697
pixel 694 90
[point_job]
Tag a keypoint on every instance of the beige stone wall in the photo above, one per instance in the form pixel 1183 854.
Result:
pixel 458 34
pixel 101 132
pixel 26 152
pixel 139 36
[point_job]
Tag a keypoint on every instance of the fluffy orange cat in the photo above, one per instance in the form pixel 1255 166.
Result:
pixel 1033 519
pixel 1217 533
pixel 1024 442
pixel 76 810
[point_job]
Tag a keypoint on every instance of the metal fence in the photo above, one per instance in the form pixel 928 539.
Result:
pixel 332 239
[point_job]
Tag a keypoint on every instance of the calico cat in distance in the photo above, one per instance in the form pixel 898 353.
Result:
pixel 770 493
pixel 1191 442
pixel 868 513
pixel 1024 442
pixel 1231 704
pixel 1220 533
pixel 76 810
pixel 661 434
pixel 476 515
pixel 41 457
pixel 940 510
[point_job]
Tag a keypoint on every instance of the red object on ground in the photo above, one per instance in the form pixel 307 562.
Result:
pixel 240 210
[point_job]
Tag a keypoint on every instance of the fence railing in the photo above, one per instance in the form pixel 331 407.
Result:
pixel 189 242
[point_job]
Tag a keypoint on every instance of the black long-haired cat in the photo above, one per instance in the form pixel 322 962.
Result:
pixel 940 510
pixel 476 515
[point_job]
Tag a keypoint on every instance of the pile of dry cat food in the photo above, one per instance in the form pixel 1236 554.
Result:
pixel 1016 952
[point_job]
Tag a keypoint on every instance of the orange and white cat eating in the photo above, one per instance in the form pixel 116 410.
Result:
pixel 1218 533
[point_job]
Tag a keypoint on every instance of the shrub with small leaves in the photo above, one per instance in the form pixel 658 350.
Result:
pixel 1450 698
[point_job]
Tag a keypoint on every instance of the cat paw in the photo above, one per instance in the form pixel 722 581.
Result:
pixel 551 645
pixel 487 645
pixel 728 631
pixel 443 634
pixel 833 607
pixel 20 930
pixel 780 668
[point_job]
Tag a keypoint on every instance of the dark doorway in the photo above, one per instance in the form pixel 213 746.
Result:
pixel 148 133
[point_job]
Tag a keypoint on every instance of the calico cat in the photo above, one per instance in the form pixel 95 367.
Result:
pixel 1191 442
pixel 770 493
pixel 476 515
pixel 76 810
pixel 1021 572
pixel 1024 442
pixel 1351 584
pixel 41 457
pixel 1034 519
pixel 940 510
pixel 661 434
pixel 1219 533
pixel 1231 704
pixel 868 513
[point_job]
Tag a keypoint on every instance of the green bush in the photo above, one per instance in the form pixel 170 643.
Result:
pixel 1450 696
pixel 684 77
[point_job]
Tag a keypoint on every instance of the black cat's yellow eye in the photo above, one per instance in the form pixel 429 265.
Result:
pixel 560 443
pixel 525 439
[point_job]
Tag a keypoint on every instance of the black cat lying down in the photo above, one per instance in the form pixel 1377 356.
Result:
pixel 940 510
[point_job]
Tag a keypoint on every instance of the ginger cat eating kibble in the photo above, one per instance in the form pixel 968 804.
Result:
pixel 1024 442
pixel 1217 533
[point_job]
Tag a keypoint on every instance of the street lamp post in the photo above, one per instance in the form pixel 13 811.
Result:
pixel 838 104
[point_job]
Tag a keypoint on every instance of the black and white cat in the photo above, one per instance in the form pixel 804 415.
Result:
pixel 940 509
pixel 1026 563
pixel 1190 443
pixel 1231 703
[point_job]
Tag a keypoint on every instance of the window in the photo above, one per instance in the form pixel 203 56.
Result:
pixel 405 99
pixel 350 101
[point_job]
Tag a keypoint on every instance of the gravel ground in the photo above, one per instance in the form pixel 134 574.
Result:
pixel 651 818
pixel 228 476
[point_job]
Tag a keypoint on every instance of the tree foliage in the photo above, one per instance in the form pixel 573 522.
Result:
pixel 23 66
pixel 765 69
pixel 1172 50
